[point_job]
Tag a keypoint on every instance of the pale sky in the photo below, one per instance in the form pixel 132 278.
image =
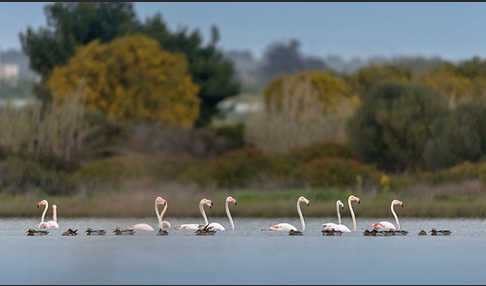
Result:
pixel 450 30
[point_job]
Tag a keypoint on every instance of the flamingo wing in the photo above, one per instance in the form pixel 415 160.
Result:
pixel 335 227
pixel 188 226
pixel 283 227
pixel 215 226
pixel 142 226
pixel 384 226
pixel 329 226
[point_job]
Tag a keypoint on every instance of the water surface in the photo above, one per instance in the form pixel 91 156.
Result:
pixel 246 256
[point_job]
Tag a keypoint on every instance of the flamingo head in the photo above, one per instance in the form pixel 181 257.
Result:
pixel 160 201
pixel 231 200
pixel 42 203
pixel 339 203
pixel 354 198
pixel 306 201
pixel 207 202
pixel 397 202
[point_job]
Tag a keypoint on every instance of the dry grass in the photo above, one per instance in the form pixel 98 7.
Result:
pixel 290 127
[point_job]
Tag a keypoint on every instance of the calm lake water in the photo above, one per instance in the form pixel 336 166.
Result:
pixel 246 256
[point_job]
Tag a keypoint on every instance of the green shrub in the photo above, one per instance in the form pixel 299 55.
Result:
pixel 325 172
pixel 461 172
pixel 392 125
pixel 17 174
pixel 233 169
pixel 234 134
pixel 114 170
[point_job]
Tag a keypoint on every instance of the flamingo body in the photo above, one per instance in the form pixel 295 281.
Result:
pixel 52 225
pixel 283 227
pixel 384 226
pixel 141 226
pixel 335 227
pixel 188 226
pixel 216 226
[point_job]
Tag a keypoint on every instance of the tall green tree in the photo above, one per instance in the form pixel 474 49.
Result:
pixel 73 24
pixel 213 73
pixel 393 124
pixel 458 137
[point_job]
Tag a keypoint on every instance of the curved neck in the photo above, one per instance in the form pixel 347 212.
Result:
pixel 54 214
pixel 338 214
pixel 229 216
pixel 201 208
pixel 44 212
pixel 157 214
pixel 300 216
pixel 352 214
pixel 396 217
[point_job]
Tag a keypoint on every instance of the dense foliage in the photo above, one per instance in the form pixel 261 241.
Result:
pixel 131 78
pixel 393 124
pixel 76 24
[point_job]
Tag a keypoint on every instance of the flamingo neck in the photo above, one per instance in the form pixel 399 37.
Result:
pixel 54 213
pixel 157 214
pixel 44 212
pixel 352 214
pixel 201 208
pixel 395 215
pixel 228 214
pixel 300 216
pixel 338 213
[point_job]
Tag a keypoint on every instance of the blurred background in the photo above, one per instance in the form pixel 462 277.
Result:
pixel 109 104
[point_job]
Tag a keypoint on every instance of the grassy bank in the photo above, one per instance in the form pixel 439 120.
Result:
pixel 251 203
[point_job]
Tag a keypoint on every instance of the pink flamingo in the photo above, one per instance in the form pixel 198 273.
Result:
pixel 388 226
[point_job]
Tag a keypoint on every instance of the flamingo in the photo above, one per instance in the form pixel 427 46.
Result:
pixel 218 227
pixel 43 224
pixel 162 224
pixel 288 227
pixel 195 226
pixel 388 226
pixel 341 227
pixel 52 224
pixel 336 227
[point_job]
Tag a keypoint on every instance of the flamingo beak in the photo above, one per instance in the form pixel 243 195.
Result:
pixel 308 203
pixel 403 205
pixel 236 203
pixel 211 206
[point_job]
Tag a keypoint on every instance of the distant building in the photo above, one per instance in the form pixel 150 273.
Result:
pixel 9 72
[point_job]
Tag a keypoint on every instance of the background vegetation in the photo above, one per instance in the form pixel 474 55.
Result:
pixel 128 109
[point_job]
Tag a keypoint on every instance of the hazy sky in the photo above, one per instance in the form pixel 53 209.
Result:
pixel 449 30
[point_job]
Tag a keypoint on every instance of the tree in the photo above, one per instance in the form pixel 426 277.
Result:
pixel 330 90
pixel 74 24
pixel 131 78
pixel 458 137
pixel 302 109
pixel 286 58
pixel 393 124
pixel 369 76
pixel 209 68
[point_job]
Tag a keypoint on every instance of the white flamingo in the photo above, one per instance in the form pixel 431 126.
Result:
pixel 195 226
pixel 388 226
pixel 288 227
pixel 43 224
pixel 52 224
pixel 341 227
pixel 218 227
pixel 162 224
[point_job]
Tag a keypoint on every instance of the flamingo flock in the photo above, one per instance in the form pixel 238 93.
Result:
pixel 206 228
